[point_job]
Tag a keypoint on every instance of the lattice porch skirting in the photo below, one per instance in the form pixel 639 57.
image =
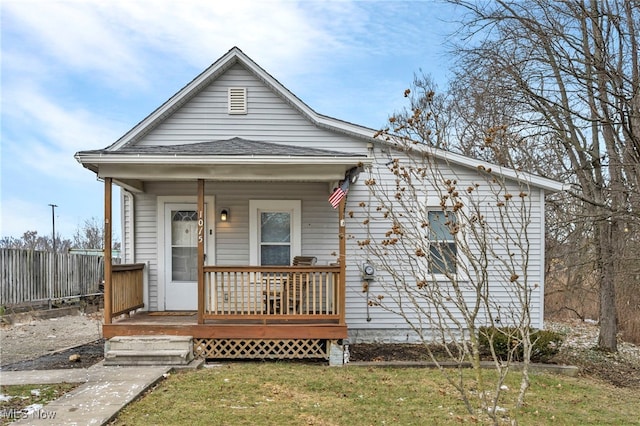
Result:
pixel 261 348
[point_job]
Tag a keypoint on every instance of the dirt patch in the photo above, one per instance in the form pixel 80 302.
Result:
pixel 31 338
pixel 380 352
pixel 84 356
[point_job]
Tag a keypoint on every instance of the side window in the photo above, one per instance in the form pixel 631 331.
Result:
pixel 443 252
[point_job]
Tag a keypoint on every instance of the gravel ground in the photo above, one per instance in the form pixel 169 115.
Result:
pixel 29 338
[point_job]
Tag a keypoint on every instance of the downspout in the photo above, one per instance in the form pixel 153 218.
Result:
pixel 129 252
pixel 367 283
pixel 543 255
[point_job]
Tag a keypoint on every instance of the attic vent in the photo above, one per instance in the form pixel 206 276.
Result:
pixel 237 100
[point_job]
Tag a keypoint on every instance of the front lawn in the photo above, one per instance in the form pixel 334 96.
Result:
pixel 28 401
pixel 286 393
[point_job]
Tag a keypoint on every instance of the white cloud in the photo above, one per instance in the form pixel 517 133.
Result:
pixel 283 35
pixel 47 134
pixel 74 34
pixel 118 39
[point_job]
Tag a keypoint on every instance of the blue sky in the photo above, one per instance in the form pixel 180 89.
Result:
pixel 78 74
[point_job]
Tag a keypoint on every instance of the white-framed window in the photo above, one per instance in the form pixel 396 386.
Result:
pixel 443 251
pixel 275 234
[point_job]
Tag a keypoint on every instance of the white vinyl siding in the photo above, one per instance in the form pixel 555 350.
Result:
pixel 387 326
pixel 127 207
pixel 146 243
pixel 269 118
pixel 319 238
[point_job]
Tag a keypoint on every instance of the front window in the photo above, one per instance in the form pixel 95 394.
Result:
pixel 442 244
pixel 275 238
pixel 275 234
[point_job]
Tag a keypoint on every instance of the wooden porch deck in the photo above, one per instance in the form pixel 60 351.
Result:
pixel 186 324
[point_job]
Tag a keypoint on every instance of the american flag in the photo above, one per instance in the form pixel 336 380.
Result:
pixel 339 193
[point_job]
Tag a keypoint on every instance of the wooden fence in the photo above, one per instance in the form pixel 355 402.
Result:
pixel 28 276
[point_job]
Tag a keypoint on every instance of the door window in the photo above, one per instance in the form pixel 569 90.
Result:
pixel 184 245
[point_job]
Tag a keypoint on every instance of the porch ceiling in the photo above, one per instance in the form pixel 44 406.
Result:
pixel 313 170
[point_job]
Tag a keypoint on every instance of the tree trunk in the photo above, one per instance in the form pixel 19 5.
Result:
pixel 608 317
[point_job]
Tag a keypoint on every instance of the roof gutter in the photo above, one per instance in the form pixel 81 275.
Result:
pixel 86 159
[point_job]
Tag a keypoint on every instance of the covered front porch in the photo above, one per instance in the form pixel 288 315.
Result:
pixel 242 311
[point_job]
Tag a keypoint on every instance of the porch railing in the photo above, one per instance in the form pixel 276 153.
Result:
pixel 273 292
pixel 126 288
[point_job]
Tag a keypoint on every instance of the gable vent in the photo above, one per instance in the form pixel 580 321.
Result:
pixel 237 100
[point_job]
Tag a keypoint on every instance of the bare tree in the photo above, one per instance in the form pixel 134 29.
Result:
pixel 30 240
pixel 452 249
pixel 569 76
pixel 87 236
pixel 90 235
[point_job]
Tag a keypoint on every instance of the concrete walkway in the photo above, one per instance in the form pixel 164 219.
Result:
pixel 104 392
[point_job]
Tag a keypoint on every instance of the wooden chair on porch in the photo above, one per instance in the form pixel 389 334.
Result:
pixel 296 288
pixel 290 289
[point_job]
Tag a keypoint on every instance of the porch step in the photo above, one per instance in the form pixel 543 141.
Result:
pixel 148 350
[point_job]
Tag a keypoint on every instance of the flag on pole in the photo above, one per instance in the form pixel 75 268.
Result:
pixel 339 193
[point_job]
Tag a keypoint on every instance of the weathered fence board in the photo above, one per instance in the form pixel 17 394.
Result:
pixel 34 276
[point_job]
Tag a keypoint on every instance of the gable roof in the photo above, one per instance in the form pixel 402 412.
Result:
pixel 126 144
pixel 229 59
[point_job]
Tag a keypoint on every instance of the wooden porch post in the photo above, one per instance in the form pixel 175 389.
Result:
pixel 201 237
pixel 107 251
pixel 341 296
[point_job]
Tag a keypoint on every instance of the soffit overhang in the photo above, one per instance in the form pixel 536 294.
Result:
pixel 229 160
pixel 275 169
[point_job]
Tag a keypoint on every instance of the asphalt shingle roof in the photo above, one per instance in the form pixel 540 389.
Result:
pixel 229 147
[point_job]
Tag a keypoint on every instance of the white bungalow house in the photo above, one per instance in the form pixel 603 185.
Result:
pixel 228 235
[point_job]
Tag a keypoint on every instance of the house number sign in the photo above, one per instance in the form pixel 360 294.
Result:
pixel 200 226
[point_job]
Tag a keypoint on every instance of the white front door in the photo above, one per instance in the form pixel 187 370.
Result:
pixel 181 254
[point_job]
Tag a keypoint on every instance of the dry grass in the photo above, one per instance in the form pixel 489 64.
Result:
pixel 16 398
pixel 281 393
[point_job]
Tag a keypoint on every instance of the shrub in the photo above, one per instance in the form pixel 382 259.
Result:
pixel 507 343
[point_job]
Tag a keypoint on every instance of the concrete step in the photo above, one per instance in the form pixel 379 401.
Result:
pixel 149 350
pixel 149 342
pixel 164 357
